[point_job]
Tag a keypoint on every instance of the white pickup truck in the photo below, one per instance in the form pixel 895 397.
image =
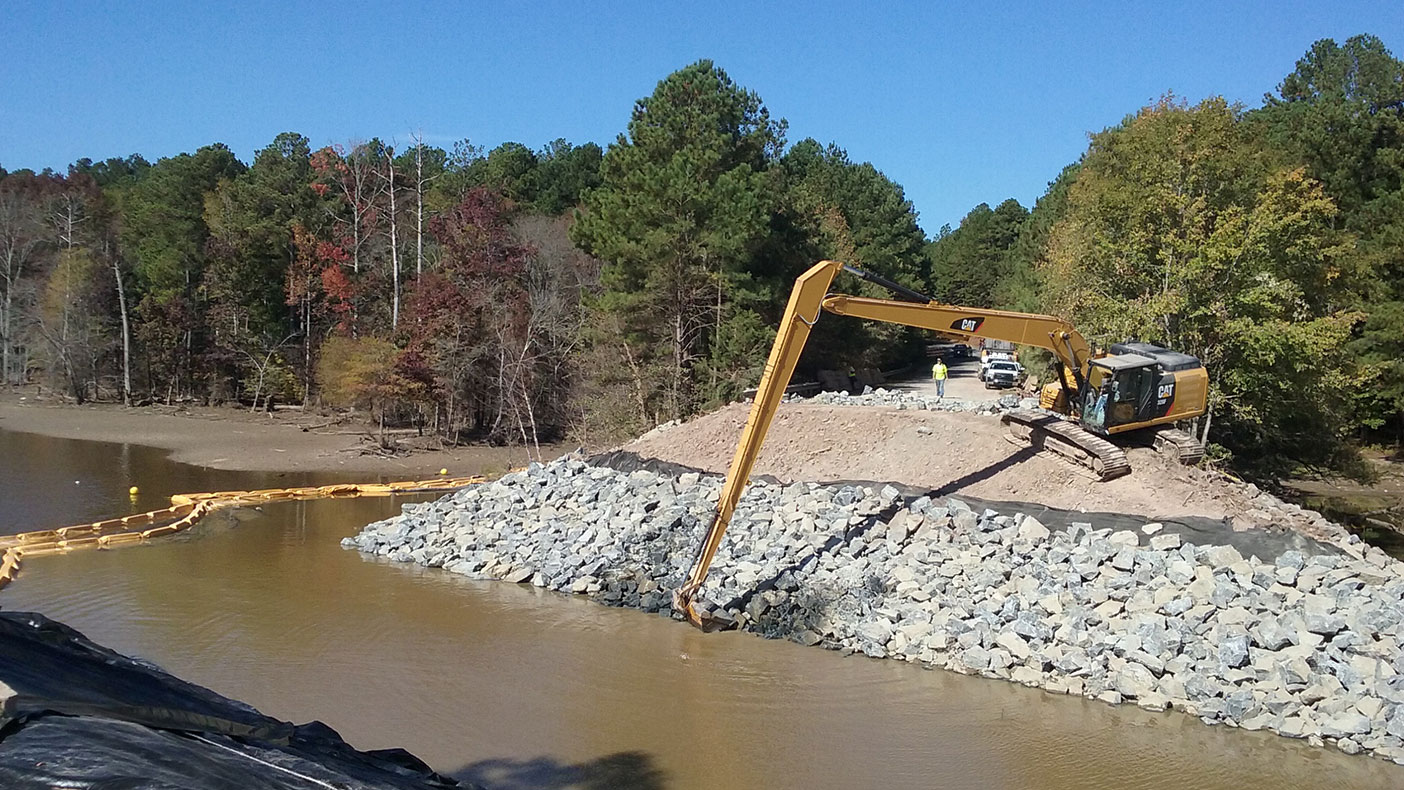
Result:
pixel 1003 373
pixel 993 356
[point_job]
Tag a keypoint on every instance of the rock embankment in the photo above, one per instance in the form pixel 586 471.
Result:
pixel 1305 645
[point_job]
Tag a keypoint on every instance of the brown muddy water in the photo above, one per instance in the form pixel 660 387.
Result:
pixel 515 688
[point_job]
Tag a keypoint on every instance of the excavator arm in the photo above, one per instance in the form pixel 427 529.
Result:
pixel 801 313
pixel 810 296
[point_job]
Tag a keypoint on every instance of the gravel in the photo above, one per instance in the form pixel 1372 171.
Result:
pixel 902 400
pixel 1305 645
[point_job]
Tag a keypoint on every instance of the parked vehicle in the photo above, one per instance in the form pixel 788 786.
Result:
pixel 1003 373
pixel 989 357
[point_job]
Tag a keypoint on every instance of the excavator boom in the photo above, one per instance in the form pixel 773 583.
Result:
pixel 1027 329
pixel 809 296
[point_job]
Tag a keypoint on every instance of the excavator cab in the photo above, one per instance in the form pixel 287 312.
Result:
pixel 1121 392
pixel 1143 385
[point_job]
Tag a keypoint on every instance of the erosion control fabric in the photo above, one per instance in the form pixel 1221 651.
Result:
pixel 74 714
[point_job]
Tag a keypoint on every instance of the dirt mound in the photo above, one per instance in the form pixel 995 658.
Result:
pixel 952 453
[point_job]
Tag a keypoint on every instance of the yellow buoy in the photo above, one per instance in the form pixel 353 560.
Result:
pixel 133 491
pixel 443 471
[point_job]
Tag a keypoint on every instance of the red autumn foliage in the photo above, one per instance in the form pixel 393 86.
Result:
pixel 477 238
pixel 340 295
pixel 329 253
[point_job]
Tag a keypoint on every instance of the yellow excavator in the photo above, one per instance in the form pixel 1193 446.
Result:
pixel 1137 391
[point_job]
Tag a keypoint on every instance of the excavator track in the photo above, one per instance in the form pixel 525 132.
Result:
pixel 1045 431
pixel 1179 445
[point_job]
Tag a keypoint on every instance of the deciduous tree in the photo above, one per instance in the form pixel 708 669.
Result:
pixel 1341 113
pixel 70 321
pixel 1180 229
pixel 22 232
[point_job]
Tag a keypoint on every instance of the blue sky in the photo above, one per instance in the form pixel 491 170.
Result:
pixel 958 105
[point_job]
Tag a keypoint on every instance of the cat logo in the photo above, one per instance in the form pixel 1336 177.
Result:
pixel 970 325
pixel 1166 392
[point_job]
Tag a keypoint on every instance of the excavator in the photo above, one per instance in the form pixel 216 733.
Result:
pixel 1136 393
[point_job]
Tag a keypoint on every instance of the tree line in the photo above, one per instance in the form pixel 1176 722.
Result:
pixel 1268 241
pixel 513 295
pixel 521 295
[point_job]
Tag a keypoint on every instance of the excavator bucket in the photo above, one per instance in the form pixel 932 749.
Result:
pixel 702 616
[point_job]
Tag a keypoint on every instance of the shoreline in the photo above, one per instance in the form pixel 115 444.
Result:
pixel 236 440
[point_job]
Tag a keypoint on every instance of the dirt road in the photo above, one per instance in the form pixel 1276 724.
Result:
pixel 962 382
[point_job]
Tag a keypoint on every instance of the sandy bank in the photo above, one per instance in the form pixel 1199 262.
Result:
pixel 237 440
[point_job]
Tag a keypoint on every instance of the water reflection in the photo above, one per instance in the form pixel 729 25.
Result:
pixel 509 686
pixel 623 771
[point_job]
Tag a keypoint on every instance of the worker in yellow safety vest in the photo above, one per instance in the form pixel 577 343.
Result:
pixel 938 372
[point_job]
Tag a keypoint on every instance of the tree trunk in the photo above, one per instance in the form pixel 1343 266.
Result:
pixel 419 208
pixel 531 419
pixel 62 344
pixel 449 413
pixel 676 406
pixel 307 349
pixel 185 383
pixel 501 378
pixel 126 334
pixel 356 209
pixel 637 376
pixel 5 335
pixel 258 390
pixel 394 243
pixel 716 331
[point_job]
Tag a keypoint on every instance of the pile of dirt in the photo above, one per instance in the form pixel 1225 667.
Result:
pixel 956 453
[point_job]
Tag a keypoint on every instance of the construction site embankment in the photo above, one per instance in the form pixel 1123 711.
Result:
pixel 958 447
pixel 1296 634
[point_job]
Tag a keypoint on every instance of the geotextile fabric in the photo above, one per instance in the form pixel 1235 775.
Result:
pixel 74 714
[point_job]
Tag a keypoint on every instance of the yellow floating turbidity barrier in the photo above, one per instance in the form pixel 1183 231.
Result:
pixel 185 510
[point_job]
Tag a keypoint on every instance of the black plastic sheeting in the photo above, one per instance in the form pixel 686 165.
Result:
pixel 77 715
pixel 1266 543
